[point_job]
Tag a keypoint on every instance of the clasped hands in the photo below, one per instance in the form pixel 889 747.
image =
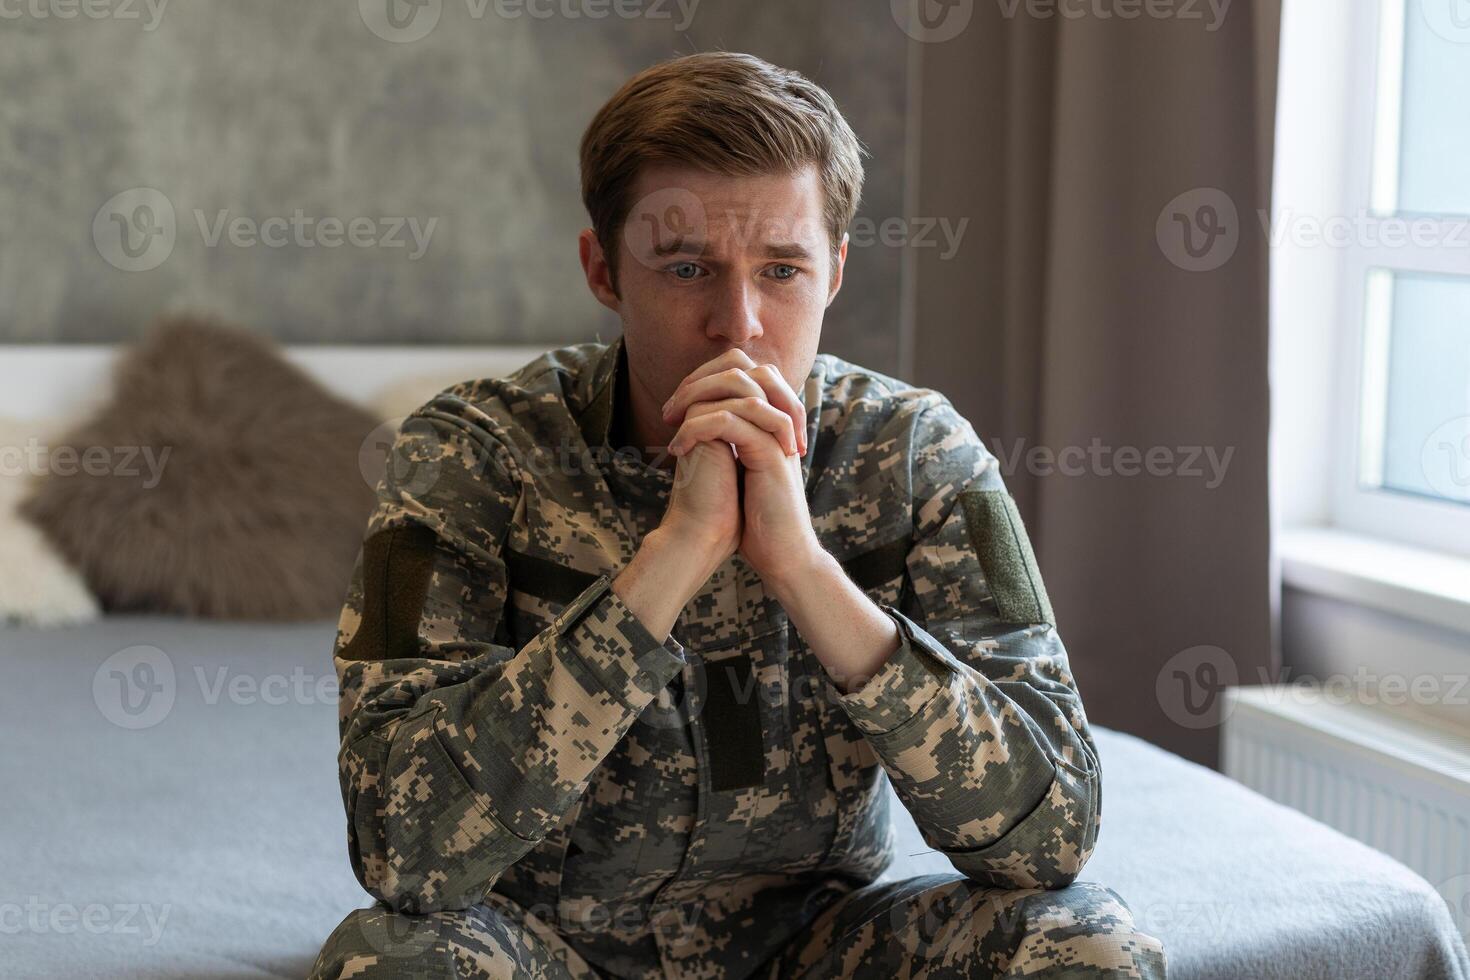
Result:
pixel 740 437
pixel 730 401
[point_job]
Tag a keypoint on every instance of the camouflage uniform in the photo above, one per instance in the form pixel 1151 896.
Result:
pixel 535 786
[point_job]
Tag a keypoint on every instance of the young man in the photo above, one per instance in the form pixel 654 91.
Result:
pixel 630 713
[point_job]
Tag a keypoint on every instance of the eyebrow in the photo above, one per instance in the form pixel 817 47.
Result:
pixel 691 246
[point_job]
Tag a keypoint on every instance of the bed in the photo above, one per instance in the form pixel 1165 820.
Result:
pixel 198 832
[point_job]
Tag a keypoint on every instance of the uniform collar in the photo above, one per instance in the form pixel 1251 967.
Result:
pixel 600 400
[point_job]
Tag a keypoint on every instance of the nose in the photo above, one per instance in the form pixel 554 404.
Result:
pixel 736 315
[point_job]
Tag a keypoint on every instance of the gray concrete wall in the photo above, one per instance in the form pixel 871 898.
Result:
pixel 252 110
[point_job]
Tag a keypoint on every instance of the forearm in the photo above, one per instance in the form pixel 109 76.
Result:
pixel 669 568
pixel 979 781
pixel 849 635
pixel 996 774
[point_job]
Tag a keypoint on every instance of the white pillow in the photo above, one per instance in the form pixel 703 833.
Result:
pixel 37 586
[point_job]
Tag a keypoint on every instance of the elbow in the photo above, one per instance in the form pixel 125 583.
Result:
pixel 1051 844
pixel 1018 871
pixel 1058 869
pixel 1008 868
pixel 1077 793
pixel 1076 796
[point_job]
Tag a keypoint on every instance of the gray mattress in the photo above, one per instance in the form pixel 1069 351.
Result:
pixel 210 841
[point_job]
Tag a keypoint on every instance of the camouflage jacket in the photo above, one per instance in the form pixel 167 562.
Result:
pixel 508 724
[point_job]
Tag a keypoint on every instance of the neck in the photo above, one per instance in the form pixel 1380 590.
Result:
pixel 638 423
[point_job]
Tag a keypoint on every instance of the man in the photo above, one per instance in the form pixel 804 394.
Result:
pixel 630 714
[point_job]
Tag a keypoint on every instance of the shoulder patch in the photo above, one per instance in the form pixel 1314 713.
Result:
pixel 1006 557
pixel 397 563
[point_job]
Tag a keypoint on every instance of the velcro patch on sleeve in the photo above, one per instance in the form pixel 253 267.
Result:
pixel 1006 557
pixel 397 563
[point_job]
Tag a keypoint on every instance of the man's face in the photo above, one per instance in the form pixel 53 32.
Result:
pixel 707 263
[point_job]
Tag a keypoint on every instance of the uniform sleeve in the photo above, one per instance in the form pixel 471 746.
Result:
pixel 459 754
pixel 976 716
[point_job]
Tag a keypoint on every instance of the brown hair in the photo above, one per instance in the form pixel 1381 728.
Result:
pixel 726 113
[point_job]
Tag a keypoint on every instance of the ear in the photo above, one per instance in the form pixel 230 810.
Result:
pixel 597 271
pixel 836 282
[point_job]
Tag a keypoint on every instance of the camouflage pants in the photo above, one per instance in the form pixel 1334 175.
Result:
pixel 935 926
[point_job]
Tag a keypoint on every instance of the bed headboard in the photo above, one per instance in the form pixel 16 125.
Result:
pixel 40 381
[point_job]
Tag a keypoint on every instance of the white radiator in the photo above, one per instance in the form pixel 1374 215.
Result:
pixel 1394 780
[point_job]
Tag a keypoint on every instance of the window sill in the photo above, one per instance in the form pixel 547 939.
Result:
pixel 1415 583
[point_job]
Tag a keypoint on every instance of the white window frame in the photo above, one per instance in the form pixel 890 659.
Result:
pixel 1364 291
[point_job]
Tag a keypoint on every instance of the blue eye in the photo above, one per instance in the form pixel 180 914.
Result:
pixel 684 265
pixel 793 270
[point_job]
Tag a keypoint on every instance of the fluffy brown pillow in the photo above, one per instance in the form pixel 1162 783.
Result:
pixel 224 482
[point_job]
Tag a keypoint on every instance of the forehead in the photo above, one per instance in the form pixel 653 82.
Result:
pixel 737 213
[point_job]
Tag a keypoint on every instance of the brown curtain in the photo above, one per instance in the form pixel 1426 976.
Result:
pixel 1074 315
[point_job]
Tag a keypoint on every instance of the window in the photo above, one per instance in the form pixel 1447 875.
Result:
pixel 1402 449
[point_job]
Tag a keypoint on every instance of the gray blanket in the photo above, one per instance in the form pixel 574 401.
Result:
pixel 196 830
